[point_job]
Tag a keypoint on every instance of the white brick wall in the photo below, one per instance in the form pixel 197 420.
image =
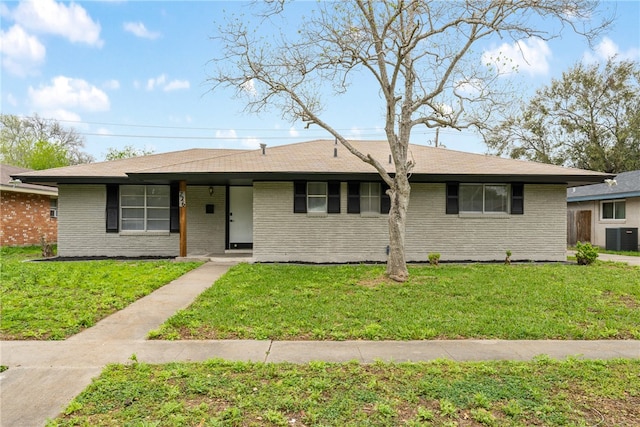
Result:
pixel 281 235
pixel 81 228
pixel 205 232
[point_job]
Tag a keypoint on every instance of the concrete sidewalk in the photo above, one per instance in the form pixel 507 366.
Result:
pixel 44 376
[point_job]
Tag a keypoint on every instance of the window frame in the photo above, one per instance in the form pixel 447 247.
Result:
pixel 372 200
pixel 318 196
pixel 53 208
pixel 146 208
pixel 484 211
pixel 613 209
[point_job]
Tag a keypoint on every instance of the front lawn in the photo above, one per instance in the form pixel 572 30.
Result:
pixel 530 301
pixel 54 300
pixel 440 393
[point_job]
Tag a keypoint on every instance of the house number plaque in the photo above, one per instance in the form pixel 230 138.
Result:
pixel 182 199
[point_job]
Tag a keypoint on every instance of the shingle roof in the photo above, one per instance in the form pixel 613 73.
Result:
pixel 6 173
pixel 316 157
pixel 627 184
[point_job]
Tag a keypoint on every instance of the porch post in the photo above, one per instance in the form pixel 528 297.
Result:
pixel 182 191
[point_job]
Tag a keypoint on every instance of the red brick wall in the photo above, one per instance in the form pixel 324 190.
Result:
pixel 25 218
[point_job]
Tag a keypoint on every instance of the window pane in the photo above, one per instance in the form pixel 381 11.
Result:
pixel 495 198
pixel 316 204
pixel 158 195
pixel 158 225
pixel 470 196
pixel 132 213
pixel 132 195
pixel 158 213
pixel 620 210
pixel 607 210
pixel 133 224
pixel 317 188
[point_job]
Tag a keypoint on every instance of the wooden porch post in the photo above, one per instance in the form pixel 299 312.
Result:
pixel 182 191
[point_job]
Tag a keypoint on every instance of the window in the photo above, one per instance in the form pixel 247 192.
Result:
pixel 53 208
pixel 369 197
pixel 484 198
pixel 145 207
pixel 613 210
pixel 317 197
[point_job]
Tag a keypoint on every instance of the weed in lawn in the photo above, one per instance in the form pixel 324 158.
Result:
pixel 349 302
pixel 41 300
pixel 551 393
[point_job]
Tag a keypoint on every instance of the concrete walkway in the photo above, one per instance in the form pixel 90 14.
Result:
pixel 44 376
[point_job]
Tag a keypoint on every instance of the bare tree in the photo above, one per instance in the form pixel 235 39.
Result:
pixel 419 54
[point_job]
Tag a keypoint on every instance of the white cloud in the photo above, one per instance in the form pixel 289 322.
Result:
pixel 176 85
pixel 530 56
pixel 112 84
pixel 608 49
pixel 103 131
pixel 250 142
pixel 226 134
pixel 293 132
pixel 157 81
pixel 249 87
pixel 65 92
pixel 70 21
pixel 160 82
pixel 470 89
pixel 138 29
pixel 21 53
pixel 61 114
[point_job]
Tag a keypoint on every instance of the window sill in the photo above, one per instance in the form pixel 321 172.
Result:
pixel 370 215
pixel 479 215
pixel 613 221
pixel 317 214
pixel 144 233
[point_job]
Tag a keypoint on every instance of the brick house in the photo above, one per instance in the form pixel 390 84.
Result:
pixel 312 202
pixel 27 211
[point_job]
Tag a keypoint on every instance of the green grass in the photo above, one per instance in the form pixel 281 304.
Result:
pixel 553 301
pixel 54 300
pixel 440 393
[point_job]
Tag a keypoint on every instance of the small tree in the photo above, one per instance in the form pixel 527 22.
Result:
pixel 590 118
pixel 420 56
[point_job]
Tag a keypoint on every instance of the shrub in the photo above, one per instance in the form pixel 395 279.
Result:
pixel 434 258
pixel 585 253
pixel 507 260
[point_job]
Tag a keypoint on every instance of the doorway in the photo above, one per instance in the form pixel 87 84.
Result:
pixel 240 218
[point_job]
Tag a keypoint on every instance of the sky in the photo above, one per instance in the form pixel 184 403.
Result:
pixel 135 73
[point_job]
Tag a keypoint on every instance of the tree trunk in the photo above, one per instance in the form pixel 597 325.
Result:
pixel 399 193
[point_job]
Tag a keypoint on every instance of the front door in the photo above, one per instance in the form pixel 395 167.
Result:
pixel 240 217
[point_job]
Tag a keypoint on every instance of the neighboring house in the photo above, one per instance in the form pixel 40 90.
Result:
pixel 28 211
pixel 312 202
pixel 593 209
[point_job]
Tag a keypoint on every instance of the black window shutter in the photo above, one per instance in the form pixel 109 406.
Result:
pixel 353 197
pixel 174 208
pixel 112 208
pixel 300 197
pixel 517 199
pixel 333 197
pixel 452 198
pixel 385 200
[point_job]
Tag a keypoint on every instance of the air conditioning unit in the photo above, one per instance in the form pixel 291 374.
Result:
pixel 621 239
